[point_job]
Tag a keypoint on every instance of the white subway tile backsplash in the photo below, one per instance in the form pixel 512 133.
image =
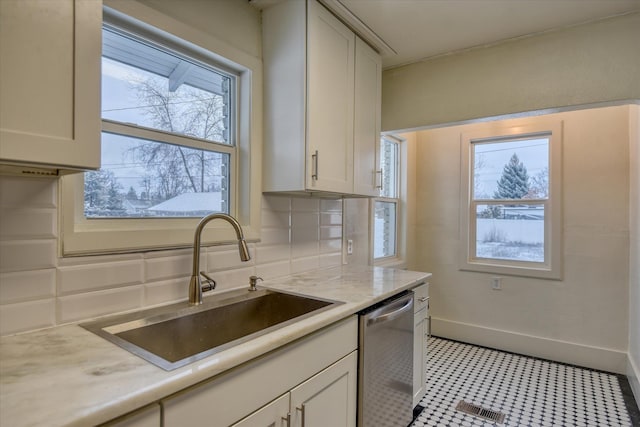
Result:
pixel 21 192
pixel 305 248
pixel 272 236
pixel 275 219
pixel 27 285
pixel 330 205
pixel 305 220
pixel 229 279
pixel 162 268
pixel 299 265
pixel 305 205
pixel 331 232
pixel 330 245
pixel 28 224
pixel 304 234
pixel 24 255
pixel 270 253
pixel 276 203
pixel 272 270
pixel 227 257
pixel 330 218
pixel 27 316
pixel 166 291
pixel 39 290
pixel 330 260
pixel 93 304
pixel 88 277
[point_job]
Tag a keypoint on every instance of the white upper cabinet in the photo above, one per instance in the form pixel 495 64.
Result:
pixel 322 103
pixel 50 83
pixel 366 127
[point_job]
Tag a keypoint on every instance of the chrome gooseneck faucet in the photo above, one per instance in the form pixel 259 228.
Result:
pixel 195 285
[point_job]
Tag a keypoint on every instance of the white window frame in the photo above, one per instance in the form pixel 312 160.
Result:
pixel 398 258
pixel 81 236
pixel 551 268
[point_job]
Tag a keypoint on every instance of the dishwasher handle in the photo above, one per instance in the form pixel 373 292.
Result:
pixel 383 315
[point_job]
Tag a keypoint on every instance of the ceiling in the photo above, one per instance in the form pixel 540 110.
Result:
pixel 414 30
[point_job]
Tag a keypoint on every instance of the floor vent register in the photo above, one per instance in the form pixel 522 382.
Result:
pixel 478 411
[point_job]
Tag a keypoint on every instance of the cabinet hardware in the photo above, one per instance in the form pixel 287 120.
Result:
pixel 301 409
pixel 379 186
pixel 314 158
pixel 423 299
pixel 287 419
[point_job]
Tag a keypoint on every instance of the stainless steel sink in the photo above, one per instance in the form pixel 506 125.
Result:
pixel 176 335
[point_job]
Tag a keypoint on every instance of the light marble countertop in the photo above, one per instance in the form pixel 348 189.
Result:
pixel 67 376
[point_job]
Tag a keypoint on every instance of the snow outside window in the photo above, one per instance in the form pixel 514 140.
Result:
pixel 511 215
pixel 385 208
pixel 178 138
pixel 168 141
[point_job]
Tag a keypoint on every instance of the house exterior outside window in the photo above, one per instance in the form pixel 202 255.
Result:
pixel 510 220
pixel 386 206
pixel 180 131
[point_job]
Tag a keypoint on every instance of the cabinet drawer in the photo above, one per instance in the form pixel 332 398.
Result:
pixel 421 297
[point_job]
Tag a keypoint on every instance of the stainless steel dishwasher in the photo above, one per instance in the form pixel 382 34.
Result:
pixel 385 363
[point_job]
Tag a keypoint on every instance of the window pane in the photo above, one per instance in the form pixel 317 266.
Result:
pixel 148 87
pixel 511 169
pixel 510 232
pixel 384 229
pixel 141 178
pixel 389 166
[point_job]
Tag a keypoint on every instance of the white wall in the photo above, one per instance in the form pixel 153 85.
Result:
pixel 582 319
pixel 591 63
pixel 633 371
pixel 38 289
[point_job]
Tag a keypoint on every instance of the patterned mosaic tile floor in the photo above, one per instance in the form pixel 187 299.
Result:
pixel 529 391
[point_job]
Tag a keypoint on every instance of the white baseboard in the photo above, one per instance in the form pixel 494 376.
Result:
pixel 633 375
pixel 560 351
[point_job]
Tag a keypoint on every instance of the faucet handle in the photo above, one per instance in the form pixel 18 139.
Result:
pixel 253 281
pixel 210 283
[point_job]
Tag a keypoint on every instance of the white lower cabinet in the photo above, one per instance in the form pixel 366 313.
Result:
pixel 149 416
pixel 419 356
pixel 313 379
pixel 275 414
pixel 326 399
pixel 420 339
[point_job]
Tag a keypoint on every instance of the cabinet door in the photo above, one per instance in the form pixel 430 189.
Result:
pixel 50 82
pixel 366 126
pixel 330 84
pixel 275 414
pixel 419 356
pixel 328 398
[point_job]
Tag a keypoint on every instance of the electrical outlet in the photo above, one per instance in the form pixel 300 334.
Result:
pixel 349 247
pixel 496 283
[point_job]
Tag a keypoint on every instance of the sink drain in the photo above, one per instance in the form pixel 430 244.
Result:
pixel 479 411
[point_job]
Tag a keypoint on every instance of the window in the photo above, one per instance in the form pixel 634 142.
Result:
pixel 511 219
pixel 168 142
pixel 385 207
pixel 176 142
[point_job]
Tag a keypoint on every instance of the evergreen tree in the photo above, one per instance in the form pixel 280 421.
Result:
pixel 131 194
pixel 514 182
